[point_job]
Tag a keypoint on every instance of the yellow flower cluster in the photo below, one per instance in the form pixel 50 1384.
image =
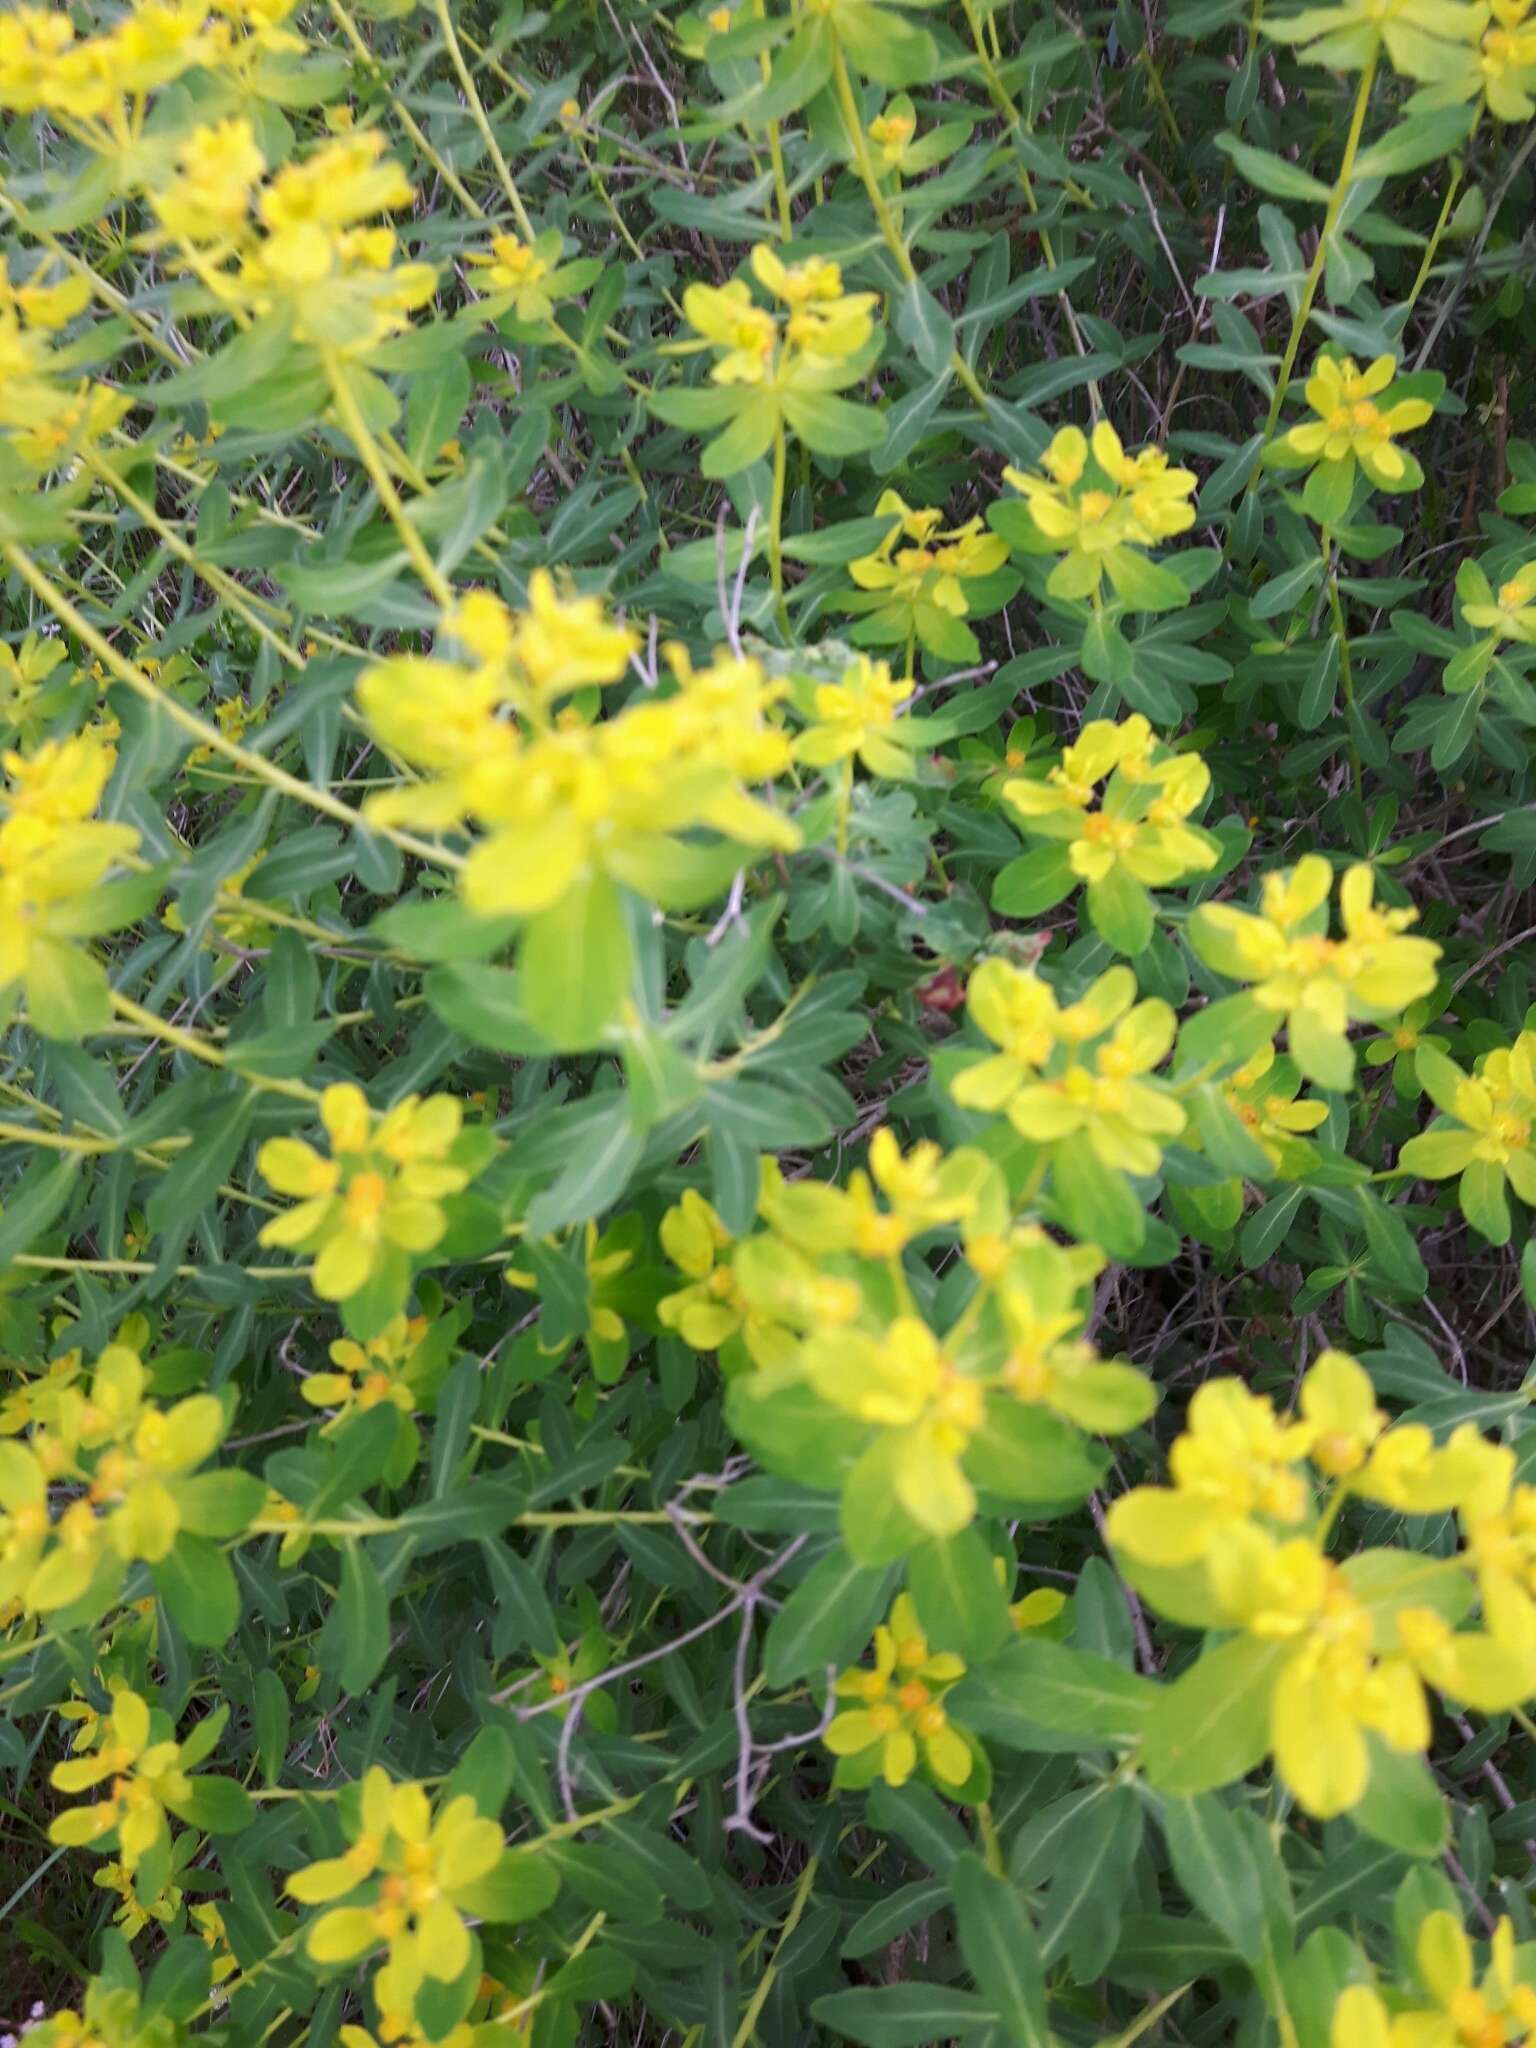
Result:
pixel 54 857
pixel 912 588
pixel 1314 983
pixel 1462 2008
pixel 563 795
pixel 123 1470
pixel 1484 1132
pixel 385 1369
pixel 1008 1385
pixel 1349 427
pixel 805 347
pixel 1119 804
pixel 1508 613
pixel 298 242
pixel 1237 1541
pixel 377 1200
pixel 1095 503
pixel 898 1724
pixel 47 418
pixel 408 1882
pixel 1083 1072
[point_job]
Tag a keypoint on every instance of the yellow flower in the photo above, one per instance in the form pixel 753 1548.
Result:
pixel 744 334
pixel 1349 427
pixel 1262 1096
pixel 860 714
pixel 899 1722
pixel 1509 614
pixel 1486 1131
pixel 904 1383
pixel 209 200
pixel 1314 982
pixel 1051 1088
pixel 1094 502
pixel 1235 1459
pixel 143 1762
pixel 379 1193
pixel 1039 1295
pixel 367 1375
pixel 413 1875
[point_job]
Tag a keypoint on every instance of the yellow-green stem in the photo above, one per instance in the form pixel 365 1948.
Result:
pixel 482 120
pixel 206 733
pixel 776 526
pixel 891 233
pixel 1336 201
pixel 349 412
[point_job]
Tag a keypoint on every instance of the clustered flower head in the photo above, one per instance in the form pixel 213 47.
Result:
pixel 297 242
pixel 563 794
pixel 1450 2004
pixel 1485 1132
pixel 803 347
pixel 147 1773
pixel 1315 983
pixel 1095 503
pixel 1237 1541
pixel 1508 613
pixel 1120 803
pixel 914 582
pixel 105 1476
pixel 408 1881
pixel 1349 428
pixel 1079 1072
pixel 378 1195
pixel 860 715
pixel 530 275
pixel 896 1723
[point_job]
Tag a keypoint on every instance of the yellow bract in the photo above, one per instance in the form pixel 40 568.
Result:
pixel 1316 983
pixel 1348 422
pixel 1083 1071
pixel 1120 801
pixel 899 1722
pixel 822 327
pixel 561 797
pixel 414 1866
pixel 381 1190
pixel 1095 499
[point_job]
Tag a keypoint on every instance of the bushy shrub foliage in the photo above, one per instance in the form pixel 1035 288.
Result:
pixel 768 1112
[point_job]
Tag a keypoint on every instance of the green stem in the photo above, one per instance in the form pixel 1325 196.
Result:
pixel 350 415
pixel 854 122
pixel 1341 635
pixel 482 120
pixel 203 730
pixel 776 526
pixel 1432 247
pixel 1336 199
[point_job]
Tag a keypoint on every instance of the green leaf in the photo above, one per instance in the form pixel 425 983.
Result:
pixel 1120 911
pixel 576 965
pixel 831 425
pixel 960 1598
pixel 1001 1951
pixel 826 1620
pixel 1273 174
pixel 904 2015
pixel 361 1617
pixel 1211 1725
pixel 1402 1805
pixel 924 326
pixel 1213 1864
pixel 1034 883
pixel 197 1584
